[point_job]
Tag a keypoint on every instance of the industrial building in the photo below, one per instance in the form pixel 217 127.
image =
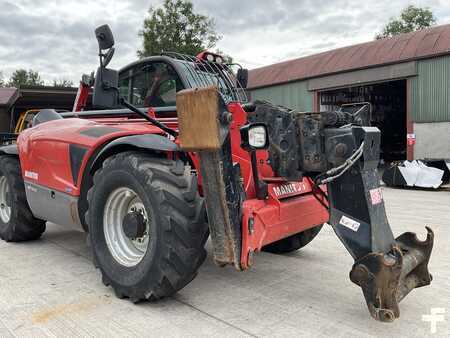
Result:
pixel 406 78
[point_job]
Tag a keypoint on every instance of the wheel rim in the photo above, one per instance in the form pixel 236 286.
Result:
pixel 126 251
pixel 5 208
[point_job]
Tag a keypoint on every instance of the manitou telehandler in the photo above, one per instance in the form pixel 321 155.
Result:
pixel 174 154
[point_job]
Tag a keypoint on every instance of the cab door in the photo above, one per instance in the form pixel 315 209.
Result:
pixel 152 84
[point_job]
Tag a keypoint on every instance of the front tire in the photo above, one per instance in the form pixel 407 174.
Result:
pixel 294 242
pixel 170 247
pixel 17 222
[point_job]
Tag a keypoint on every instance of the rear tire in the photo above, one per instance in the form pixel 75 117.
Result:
pixel 17 222
pixel 294 242
pixel 165 192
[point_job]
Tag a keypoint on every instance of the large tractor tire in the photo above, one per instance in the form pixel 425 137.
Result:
pixel 146 225
pixel 294 242
pixel 17 223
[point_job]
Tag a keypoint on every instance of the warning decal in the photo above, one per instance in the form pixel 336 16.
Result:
pixel 375 196
pixel 32 175
pixel 349 223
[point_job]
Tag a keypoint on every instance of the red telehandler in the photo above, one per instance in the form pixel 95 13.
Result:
pixel 174 153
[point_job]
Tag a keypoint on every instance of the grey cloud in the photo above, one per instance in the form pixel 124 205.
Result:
pixel 58 45
pixel 57 39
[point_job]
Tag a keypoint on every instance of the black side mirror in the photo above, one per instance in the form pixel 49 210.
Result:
pixel 106 92
pixel 104 37
pixel 242 77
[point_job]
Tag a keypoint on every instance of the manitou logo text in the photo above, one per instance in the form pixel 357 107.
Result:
pixel 288 189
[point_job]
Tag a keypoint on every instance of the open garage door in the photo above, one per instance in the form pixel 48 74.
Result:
pixel 389 112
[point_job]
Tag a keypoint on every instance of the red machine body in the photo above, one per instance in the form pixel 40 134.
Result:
pixel 47 153
pixel 45 158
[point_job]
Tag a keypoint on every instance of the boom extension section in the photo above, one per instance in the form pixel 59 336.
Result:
pixel 332 150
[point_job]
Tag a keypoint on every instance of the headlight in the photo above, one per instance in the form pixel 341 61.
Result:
pixel 257 137
pixel 254 136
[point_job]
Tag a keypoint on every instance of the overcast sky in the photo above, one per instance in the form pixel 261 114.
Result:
pixel 56 37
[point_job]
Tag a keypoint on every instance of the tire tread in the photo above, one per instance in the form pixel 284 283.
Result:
pixel 185 229
pixel 22 226
pixel 294 242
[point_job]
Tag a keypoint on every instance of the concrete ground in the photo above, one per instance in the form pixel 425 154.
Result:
pixel 50 288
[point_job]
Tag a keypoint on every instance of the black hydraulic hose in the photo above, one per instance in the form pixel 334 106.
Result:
pixel 153 121
pixel 316 191
pixel 341 169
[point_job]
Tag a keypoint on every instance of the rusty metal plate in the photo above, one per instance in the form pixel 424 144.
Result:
pixel 198 117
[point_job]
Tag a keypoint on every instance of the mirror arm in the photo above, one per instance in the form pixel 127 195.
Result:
pixel 100 56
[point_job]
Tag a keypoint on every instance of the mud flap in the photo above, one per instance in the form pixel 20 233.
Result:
pixel 386 269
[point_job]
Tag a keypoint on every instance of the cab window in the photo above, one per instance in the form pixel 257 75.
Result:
pixel 124 86
pixel 154 85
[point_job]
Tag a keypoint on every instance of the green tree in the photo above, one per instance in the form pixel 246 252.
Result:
pixel 62 83
pixel 22 77
pixel 411 19
pixel 175 27
pixel 2 83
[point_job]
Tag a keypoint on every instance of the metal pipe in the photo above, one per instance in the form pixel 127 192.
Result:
pixel 155 122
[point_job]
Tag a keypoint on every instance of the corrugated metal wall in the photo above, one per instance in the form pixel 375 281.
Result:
pixel 292 95
pixel 430 91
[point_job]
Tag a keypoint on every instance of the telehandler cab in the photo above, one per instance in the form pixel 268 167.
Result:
pixel 175 153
